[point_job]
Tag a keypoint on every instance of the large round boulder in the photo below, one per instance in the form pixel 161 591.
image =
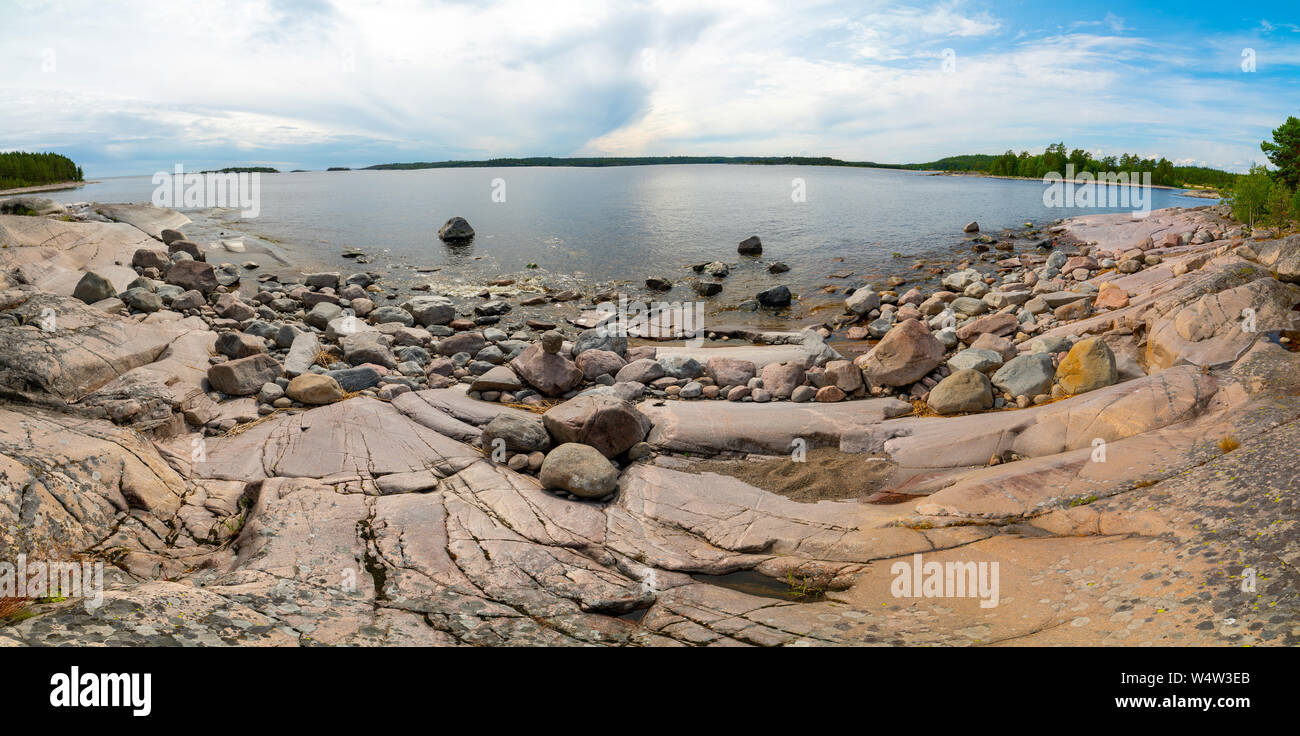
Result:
pixel 580 470
pixel 605 422
pixel 904 355
pixel 964 390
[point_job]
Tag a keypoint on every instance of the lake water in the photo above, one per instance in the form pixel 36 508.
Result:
pixel 593 227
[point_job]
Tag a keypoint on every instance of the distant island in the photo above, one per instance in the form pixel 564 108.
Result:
pixel 1009 164
pixel 338 168
pixel 243 170
pixel 19 169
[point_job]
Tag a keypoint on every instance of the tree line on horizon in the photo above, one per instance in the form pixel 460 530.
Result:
pixel 21 169
pixel 1055 159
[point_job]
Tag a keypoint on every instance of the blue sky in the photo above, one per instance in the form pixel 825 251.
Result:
pixel 139 87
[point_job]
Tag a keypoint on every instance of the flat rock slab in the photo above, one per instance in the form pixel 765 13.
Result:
pixel 360 437
pixel 712 427
pixel 146 218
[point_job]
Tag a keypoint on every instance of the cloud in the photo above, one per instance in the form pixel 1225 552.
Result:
pixel 315 83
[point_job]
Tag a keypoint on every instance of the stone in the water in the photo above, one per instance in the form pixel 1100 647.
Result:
pixel 658 283
pixel 750 246
pixel 971 227
pixel 580 470
pixel 777 296
pixel 457 228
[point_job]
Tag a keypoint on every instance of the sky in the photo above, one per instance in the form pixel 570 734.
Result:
pixel 134 88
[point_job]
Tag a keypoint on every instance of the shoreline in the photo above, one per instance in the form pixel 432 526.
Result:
pixel 1206 193
pixel 56 187
pixel 554 468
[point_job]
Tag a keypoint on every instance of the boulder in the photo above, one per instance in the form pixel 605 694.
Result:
pixel 498 378
pixel 596 363
pixel 750 246
pixel 551 374
pixel 519 433
pixel 315 389
pixel 151 258
pixel 781 379
pixel 455 229
pixel 777 296
pixel 1088 366
pixel 605 422
pixel 862 301
pixel 302 354
pixel 239 345
pixel 729 371
pixel 465 342
pixel 681 366
pixel 196 275
pixel 844 375
pixel 1004 323
pixel 963 390
pixel 93 288
pixel 580 470
pixel 600 338
pixel 1026 375
pixel 367 347
pixel 977 359
pixel 905 355
pixel 644 370
pixel 245 376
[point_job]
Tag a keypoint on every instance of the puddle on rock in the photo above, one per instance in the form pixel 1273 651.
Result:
pixel 753 583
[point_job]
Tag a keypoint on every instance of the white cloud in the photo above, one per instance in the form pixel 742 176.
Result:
pixel 409 79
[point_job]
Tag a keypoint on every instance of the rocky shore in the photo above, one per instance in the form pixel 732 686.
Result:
pixel 1110 409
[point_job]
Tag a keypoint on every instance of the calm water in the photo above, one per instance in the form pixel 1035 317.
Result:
pixel 587 226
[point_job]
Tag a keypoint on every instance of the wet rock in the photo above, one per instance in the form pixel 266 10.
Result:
pixel 750 246
pixel 456 229
pixel 777 296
